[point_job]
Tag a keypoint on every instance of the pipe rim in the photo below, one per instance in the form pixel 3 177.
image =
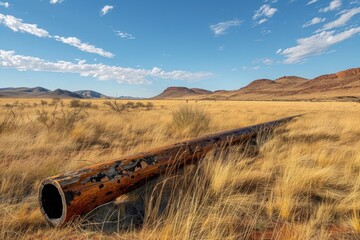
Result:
pixel 53 221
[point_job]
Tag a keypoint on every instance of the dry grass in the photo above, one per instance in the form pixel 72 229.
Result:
pixel 304 183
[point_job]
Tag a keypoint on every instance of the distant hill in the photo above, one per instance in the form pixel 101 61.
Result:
pixel 343 86
pixel 130 98
pixel 179 92
pixel 60 93
pixel 39 92
pixel 23 91
pixel 90 94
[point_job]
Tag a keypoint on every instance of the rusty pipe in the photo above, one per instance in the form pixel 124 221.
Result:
pixel 75 193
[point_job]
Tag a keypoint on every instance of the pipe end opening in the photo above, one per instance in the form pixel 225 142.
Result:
pixel 52 203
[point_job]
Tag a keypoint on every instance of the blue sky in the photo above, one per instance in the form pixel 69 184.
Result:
pixel 140 47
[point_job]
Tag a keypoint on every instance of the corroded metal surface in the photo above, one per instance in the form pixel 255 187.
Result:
pixel 81 191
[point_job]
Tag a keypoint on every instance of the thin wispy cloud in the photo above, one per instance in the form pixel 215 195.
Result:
pixel 255 68
pixel 106 9
pixel 85 47
pixel 311 2
pixel 8 59
pixel 4 4
pixel 344 18
pixel 316 44
pixel 264 20
pixel 263 14
pixel 17 25
pixel 221 48
pixel 222 27
pixel 56 1
pixel 314 21
pixel 334 5
pixel 124 35
pixel 266 61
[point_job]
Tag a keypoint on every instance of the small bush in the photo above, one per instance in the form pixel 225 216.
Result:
pixel 74 103
pixel 9 122
pixel 85 104
pixel 115 106
pixel 55 101
pixel 130 105
pixel 149 106
pixel 139 105
pixel 79 104
pixel 61 120
pixel 43 102
pixel 119 107
pixel 8 105
pixel 190 121
pixel 67 119
pixel 46 118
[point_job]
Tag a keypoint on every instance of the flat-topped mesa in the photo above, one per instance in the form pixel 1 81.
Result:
pixel 65 196
pixel 291 79
pixel 261 81
pixel 176 92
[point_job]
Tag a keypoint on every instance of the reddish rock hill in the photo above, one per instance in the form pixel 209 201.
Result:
pixel 338 86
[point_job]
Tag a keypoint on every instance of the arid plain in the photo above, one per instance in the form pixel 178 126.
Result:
pixel 302 183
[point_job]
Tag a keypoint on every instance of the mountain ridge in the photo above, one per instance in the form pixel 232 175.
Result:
pixel 341 85
pixel 40 92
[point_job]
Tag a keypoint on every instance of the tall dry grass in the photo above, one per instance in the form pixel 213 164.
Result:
pixel 303 183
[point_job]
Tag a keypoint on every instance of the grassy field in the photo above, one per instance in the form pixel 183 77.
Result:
pixel 304 182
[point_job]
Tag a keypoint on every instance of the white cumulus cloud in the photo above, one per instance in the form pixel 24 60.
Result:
pixel 17 25
pixel 106 9
pixel 316 44
pixel 5 4
pixel 221 28
pixel 314 21
pixel 264 13
pixel 9 59
pixel 334 5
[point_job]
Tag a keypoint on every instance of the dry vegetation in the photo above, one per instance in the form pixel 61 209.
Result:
pixel 304 182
